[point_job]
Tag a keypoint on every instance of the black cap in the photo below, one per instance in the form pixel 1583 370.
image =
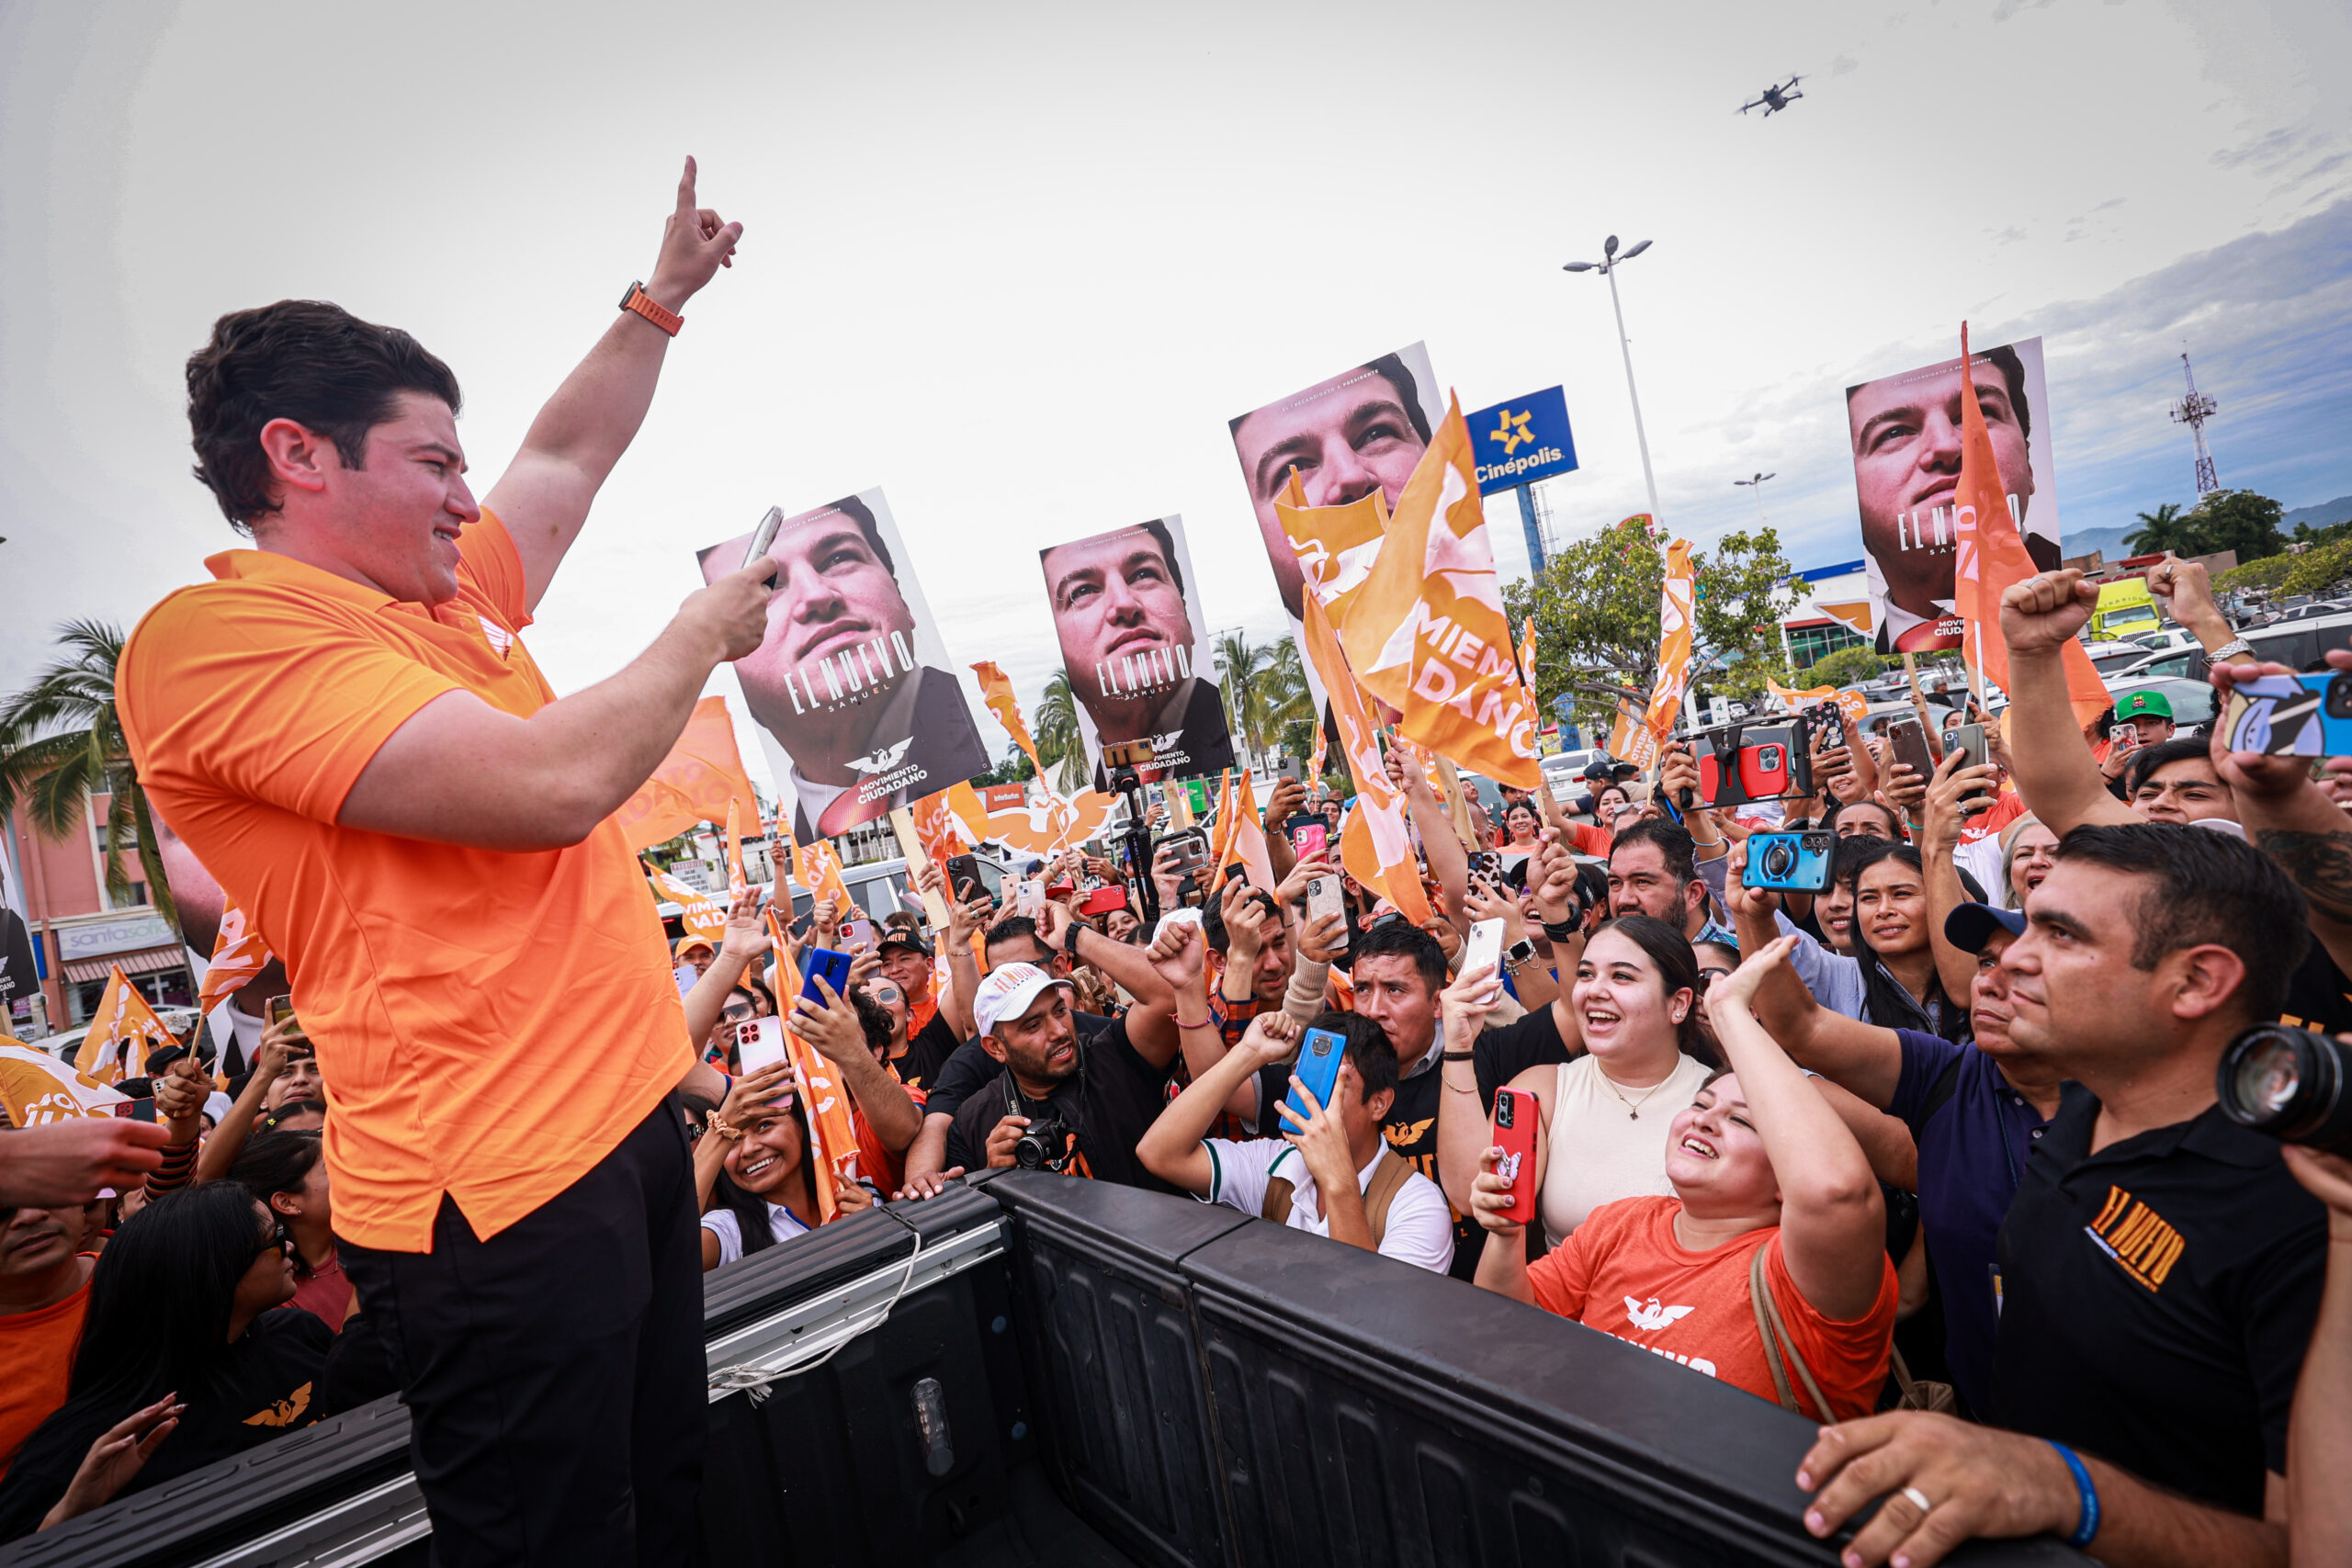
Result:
pixel 1970 926
pixel 902 936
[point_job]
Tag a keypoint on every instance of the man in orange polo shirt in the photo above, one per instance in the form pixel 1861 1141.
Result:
pixel 346 730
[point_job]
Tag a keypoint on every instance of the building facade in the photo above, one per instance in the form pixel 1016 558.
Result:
pixel 1832 612
pixel 78 932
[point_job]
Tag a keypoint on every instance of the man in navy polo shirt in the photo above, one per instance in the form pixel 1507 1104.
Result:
pixel 2160 1268
pixel 1976 1110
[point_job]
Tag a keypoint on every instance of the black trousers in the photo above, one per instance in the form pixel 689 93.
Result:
pixel 554 1374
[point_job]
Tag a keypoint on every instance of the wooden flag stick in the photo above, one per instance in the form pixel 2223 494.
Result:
pixel 902 823
pixel 1919 706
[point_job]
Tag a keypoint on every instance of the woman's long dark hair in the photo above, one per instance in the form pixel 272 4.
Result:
pixel 1678 967
pixel 750 1209
pixel 1883 997
pixel 275 1163
pixel 160 1300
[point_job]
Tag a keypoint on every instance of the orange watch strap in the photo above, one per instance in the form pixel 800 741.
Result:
pixel 644 304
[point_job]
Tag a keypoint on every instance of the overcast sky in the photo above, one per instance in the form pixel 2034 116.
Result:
pixel 1019 263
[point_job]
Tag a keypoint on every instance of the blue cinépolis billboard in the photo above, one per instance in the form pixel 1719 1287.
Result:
pixel 1521 441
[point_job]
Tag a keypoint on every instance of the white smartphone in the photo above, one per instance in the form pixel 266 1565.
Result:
pixel 1030 897
pixel 763 537
pixel 1485 948
pixel 759 1043
pixel 1322 897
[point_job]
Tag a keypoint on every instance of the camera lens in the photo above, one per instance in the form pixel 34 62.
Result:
pixel 2286 1083
pixel 1779 858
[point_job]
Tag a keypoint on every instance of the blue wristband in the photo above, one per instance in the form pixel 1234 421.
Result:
pixel 2087 1527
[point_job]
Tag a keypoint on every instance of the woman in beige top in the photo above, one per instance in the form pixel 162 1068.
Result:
pixel 1606 1113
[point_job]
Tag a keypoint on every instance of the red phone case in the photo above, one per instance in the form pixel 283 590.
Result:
pixel 1518 1119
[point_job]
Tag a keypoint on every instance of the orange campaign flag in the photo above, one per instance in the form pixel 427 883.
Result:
pixel 997 691
pixel 703 914
pixel 1629 740
pixel 833 1134
pixel 36 1089
pixel 239 954
pixel 1990 558
pixel 1244 840
pixel 122 1031
pixel 1674 602
pixel 1322 749
pixel 703 773
pixel 1374 843
pixel 1336 546
pixel 737 883
pixel 1426 633
pixel 819 869
pixel 1527 654
pixel 1221 830
pixel 936 830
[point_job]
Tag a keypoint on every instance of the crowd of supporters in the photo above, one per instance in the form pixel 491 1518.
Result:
pixel 1931 1156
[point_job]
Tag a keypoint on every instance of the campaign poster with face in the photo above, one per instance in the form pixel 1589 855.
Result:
pixel 1905 434
pixel 1362 430
pixel 855 700
pixel 1127 613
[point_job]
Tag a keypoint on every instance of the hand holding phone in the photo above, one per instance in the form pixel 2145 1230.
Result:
pixel 1319 1055
pixel 1485 948
pixel 281 1010
pixel 1518 1118
pixel 833 966
pixel 759 1043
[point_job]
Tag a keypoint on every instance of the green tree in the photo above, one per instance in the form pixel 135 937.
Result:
pixel 2237 520
pixel 1061 745
pixel 1013 769
pixel 2161 530
pixel 1597 622
pixel 60 742
pixel 1250 699
pixel 1847 667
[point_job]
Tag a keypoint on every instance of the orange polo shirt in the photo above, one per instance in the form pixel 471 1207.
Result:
pixel 489 1026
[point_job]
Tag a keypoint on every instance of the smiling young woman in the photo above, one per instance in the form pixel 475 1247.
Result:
pixel 1606 1114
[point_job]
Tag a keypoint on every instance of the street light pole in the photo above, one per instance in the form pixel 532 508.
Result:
pixel 1757 484
pixel 1607 266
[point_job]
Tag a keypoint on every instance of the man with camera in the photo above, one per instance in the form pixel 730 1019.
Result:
pixel 1060 1102
pixel 2159 1271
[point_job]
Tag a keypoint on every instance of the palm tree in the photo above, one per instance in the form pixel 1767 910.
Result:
pixel 1242 670
pixel 60 742
pixel 1061 746
pixel 2164 529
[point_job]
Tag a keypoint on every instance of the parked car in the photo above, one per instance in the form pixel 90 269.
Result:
pixel 2194 703
pixel 2177 663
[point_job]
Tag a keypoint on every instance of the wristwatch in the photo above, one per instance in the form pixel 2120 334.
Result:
pixel 638 302
pixel 2230 650
pixel 1516 954
pixel 1069 938
pixel 1561 931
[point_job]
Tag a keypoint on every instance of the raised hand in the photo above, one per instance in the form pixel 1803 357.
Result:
pixel 1322 941
pixel 1738 988
pixel 1286 800
pixel 754 1091
pixel 834 1028
pixel 2043 614
pixel 1245 925
pixel 1464 1005
pixel 1741 898
pixel 1179 955
pixel 1955 794
pixel 746 935
pixel 1292 889
pixel 1490 1196
pixel 695 245
pixel 66 1163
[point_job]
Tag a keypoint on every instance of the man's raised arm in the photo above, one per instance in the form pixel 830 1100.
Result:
pixel 543 496
pixel 2055 771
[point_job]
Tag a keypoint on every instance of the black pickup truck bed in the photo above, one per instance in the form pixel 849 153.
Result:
pixel 1040 1370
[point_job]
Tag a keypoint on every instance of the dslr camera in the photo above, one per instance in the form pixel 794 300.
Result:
pixel 1047 1144
pixel 2288 1084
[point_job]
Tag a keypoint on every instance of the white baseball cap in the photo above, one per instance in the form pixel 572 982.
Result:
pixel 1008 992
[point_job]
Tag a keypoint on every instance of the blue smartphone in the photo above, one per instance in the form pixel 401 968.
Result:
pixel 833 966
pixel 1788 863
pixel 2291 715
pixel 1318 1068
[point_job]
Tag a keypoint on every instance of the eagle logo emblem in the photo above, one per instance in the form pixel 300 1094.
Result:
pixel 883 761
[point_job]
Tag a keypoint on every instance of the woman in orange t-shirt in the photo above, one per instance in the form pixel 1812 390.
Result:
pixel 1759 1162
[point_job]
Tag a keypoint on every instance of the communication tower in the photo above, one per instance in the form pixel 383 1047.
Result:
pixel 2193 411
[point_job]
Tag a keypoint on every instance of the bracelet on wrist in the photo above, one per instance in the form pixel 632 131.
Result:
pixel 1199 1023
pixel 1562 931
pixel 1456 1056
pixel 2086 1498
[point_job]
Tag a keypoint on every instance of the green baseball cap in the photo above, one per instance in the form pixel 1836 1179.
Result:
pixel 2152 703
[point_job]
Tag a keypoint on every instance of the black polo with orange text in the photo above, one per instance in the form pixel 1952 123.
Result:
pixel 2156 1299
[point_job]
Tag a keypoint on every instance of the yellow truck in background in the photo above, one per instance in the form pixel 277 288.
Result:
pixel 2125 610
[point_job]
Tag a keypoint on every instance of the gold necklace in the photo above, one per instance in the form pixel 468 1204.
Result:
pixel 1633 1107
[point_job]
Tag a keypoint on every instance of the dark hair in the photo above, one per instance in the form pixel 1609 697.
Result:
pixel 1849 854
pixel 1893 818
pixel 305 360
pixel 2180 748
pixel 161 1297
pixel 1391 368
pixel 2003 360
pixel 1369 1048
pixel 1884 1000
pixel 1526 805
pixel 1678 967
pixel 275 1163
pixel 750 1209
pixel 873 1018
pixel 1015 927
pixel 1158 529
pixel 1400 938
pixel 2205 887
pixel 1673 843
pixel 1213 917
pixel 761 989
pixel 272 1121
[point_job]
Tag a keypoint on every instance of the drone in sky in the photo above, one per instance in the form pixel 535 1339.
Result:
pixel 1779 97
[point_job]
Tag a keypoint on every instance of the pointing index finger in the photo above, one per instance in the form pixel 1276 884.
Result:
pixel 686 188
